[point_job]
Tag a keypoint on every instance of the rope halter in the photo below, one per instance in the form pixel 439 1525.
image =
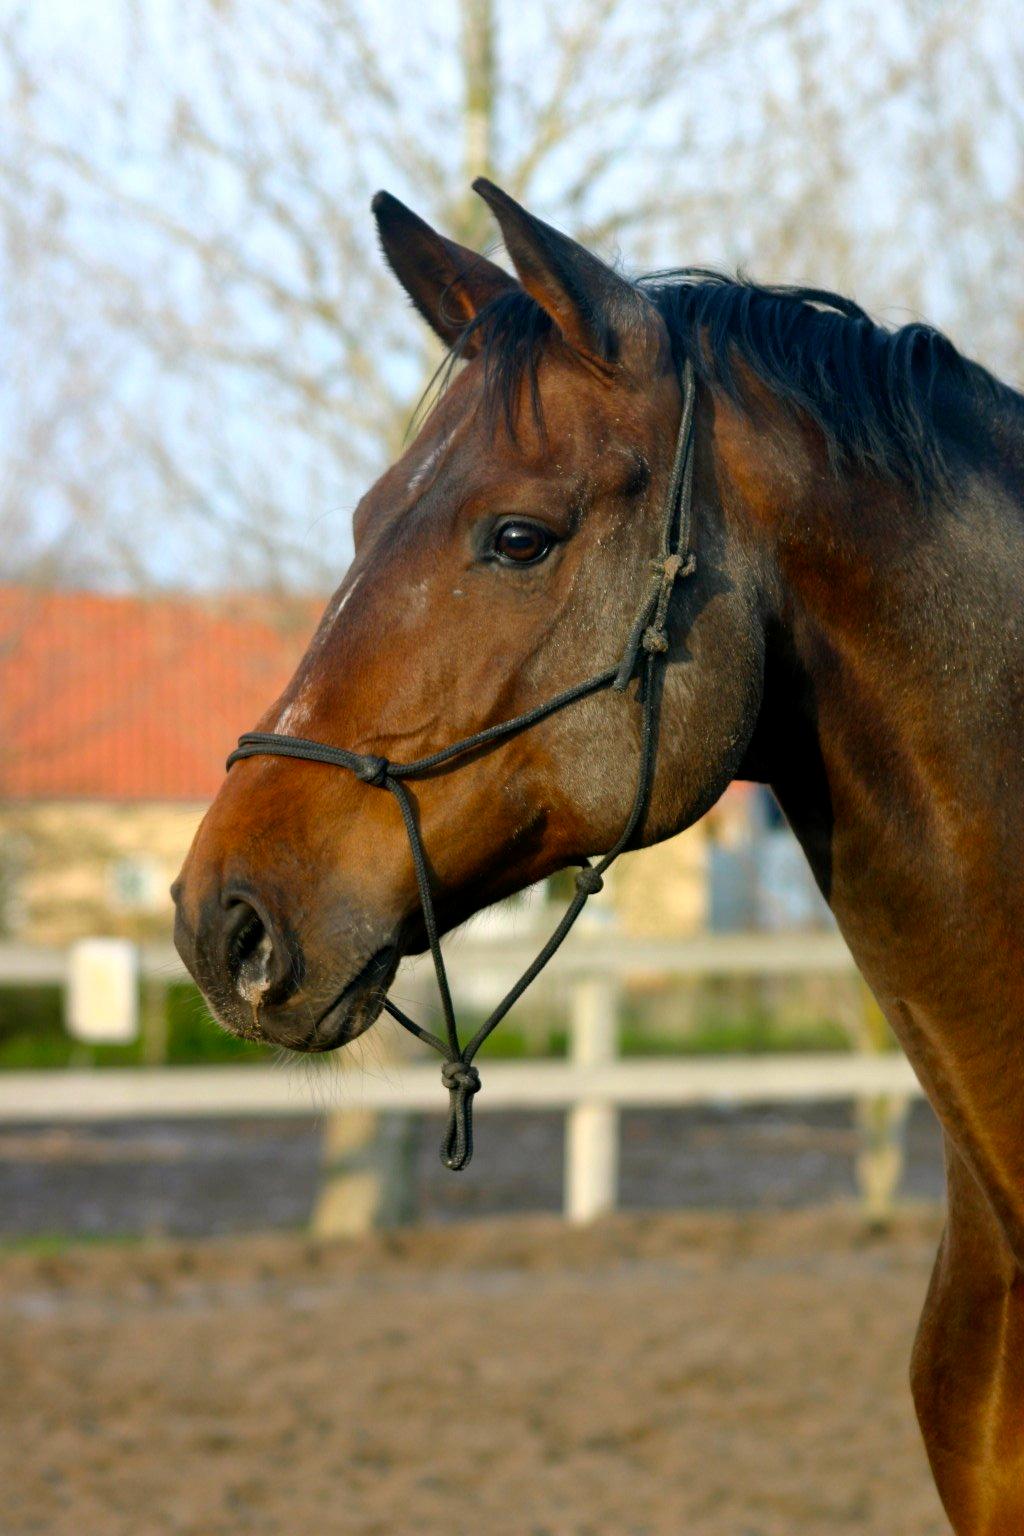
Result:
pixel 646 647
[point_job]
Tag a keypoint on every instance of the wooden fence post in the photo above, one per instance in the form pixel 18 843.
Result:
pixel 592 1125
pixel 364 1173
pixel 365 1161
pixel 154 1021
pixel 881 1120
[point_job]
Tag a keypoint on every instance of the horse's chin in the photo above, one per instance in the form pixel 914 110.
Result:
pixel 355 1008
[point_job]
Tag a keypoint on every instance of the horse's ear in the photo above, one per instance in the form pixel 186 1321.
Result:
pixel 599 313
pixel 448 283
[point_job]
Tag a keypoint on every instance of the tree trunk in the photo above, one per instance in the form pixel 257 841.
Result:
pixel 480 70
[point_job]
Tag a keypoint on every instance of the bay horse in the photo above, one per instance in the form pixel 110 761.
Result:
pixel 852 635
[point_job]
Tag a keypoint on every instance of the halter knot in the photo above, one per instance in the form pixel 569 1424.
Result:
pixel 589 881
pixel 668 567
pixel 459 1077
pixel 372 770
pixel 462 1081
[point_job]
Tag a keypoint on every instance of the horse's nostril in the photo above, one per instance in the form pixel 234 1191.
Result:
pixel 258 960
pixel 248 936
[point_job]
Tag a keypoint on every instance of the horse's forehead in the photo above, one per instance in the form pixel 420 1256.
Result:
pixel 452 428
pixel 451 425
pixel 585 428
pixel 582 421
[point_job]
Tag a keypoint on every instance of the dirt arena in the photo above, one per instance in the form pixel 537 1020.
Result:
pixel 652 1376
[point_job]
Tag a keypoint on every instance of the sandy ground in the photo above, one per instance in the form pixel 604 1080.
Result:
pixel 652 1376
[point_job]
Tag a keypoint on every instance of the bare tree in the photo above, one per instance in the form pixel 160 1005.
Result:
pixel 207 358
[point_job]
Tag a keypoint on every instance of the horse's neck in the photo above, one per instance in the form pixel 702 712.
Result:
pixel 900 678
pixel 892 723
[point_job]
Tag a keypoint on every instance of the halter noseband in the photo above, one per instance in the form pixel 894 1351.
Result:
pixel 648 639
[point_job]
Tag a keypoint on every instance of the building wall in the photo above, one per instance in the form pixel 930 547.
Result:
pixel 70 869
pixel 661 892
pixel 666 891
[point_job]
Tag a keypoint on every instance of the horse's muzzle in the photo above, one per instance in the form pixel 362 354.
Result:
pixel 252 969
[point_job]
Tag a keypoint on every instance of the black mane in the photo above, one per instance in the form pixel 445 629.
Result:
pixel 881 398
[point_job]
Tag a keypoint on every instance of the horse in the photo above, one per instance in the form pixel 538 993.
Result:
pixel 849 632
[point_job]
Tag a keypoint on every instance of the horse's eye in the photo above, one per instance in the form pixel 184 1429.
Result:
pixel 523 543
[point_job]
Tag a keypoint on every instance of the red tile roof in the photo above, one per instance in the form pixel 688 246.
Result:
pixel 134 698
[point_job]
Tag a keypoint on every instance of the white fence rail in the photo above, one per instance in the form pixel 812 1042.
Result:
pixel 593 953
pixel 195 1092
pixel 591 1087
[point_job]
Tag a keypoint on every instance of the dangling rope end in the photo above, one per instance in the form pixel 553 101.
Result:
pixel 627 667
pixel 462 1081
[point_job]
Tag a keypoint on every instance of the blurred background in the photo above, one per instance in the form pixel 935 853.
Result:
pixel 206 363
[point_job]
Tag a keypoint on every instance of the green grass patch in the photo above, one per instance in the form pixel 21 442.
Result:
pixel 754 1035
pixel 745 1034
pixel 32 1034
pixel 51 1245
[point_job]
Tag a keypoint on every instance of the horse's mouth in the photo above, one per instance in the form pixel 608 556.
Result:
pixel 356 1006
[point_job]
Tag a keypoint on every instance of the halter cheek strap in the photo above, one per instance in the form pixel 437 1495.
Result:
pixel 646 648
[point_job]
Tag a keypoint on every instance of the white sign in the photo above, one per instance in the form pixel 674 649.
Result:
pixel 102 995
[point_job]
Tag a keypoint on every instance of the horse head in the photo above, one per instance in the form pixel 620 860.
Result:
pixel 499 561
